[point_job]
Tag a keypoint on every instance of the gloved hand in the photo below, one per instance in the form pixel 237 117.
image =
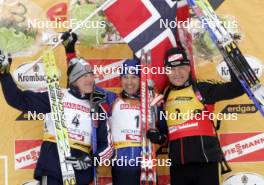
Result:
pixel 97 97
pixel 5 63
pixel 69 40
pixel 155 137
pixel 157 100
pixel 81 163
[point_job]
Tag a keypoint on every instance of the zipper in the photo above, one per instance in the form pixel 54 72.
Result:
pixel 132 153
pixel 203 149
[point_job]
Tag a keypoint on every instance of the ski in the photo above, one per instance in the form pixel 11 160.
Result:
pixel 148 170
pixel 151 124
pixel 186 39
pixel 94 110
pixel 95 103
pixel 231 53
pixel 57 115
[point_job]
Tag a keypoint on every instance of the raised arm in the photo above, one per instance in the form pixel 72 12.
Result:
pixel 214 91
pixel 21 100
pixel 69 40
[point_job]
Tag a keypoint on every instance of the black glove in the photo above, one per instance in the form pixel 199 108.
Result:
pixel 69 40
pixel 155 137
pixel 5 63
pixel 97 97
pixel 81 163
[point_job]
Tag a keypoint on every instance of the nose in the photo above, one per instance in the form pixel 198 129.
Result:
pixel 128 80
pixel 175 71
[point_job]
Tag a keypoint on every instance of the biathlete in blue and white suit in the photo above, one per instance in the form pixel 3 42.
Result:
pixel 125 127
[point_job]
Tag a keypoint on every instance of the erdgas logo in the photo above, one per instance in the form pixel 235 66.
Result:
pixel 244 179
pixel 240 109
pixel 254 63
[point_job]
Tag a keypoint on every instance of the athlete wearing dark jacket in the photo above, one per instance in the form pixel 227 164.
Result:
pixel 200 148
pixel 194 148
pixel 48 163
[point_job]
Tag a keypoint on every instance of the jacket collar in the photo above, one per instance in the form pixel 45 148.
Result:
pixel 76 93
pixel 125 95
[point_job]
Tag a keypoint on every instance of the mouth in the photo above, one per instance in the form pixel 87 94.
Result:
pixel 88 85
pixel 130 88
pixel 178 78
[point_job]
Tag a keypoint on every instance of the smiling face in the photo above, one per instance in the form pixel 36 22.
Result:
pixel 179 75
pixel 130 83
pixel 85 84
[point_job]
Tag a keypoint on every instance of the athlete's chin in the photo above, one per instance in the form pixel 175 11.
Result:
pixel 88 90
pixel 178 82
pixel 131 91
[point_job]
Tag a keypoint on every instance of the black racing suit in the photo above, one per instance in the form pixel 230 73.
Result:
pixel 195 158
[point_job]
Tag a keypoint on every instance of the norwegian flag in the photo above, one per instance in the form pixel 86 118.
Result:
pixel 141 23
pixel 107 74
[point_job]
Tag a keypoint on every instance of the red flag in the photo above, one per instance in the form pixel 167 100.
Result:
pixel 149 25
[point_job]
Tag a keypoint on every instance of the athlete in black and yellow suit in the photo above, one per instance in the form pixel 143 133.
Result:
pixel 193 145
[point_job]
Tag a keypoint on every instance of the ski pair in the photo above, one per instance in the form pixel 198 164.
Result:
pixel 57 115
pixel 94 109
pixel 147 117
pixel 57 112
pixel 230 51
pixel 186 39
pixel 94 139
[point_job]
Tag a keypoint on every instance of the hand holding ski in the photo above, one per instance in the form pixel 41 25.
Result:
pixel 148 115
pixel 5 62
pixel 57 114
pixel 230 51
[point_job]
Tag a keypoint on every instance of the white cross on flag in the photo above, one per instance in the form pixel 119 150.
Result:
pixel 149 25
